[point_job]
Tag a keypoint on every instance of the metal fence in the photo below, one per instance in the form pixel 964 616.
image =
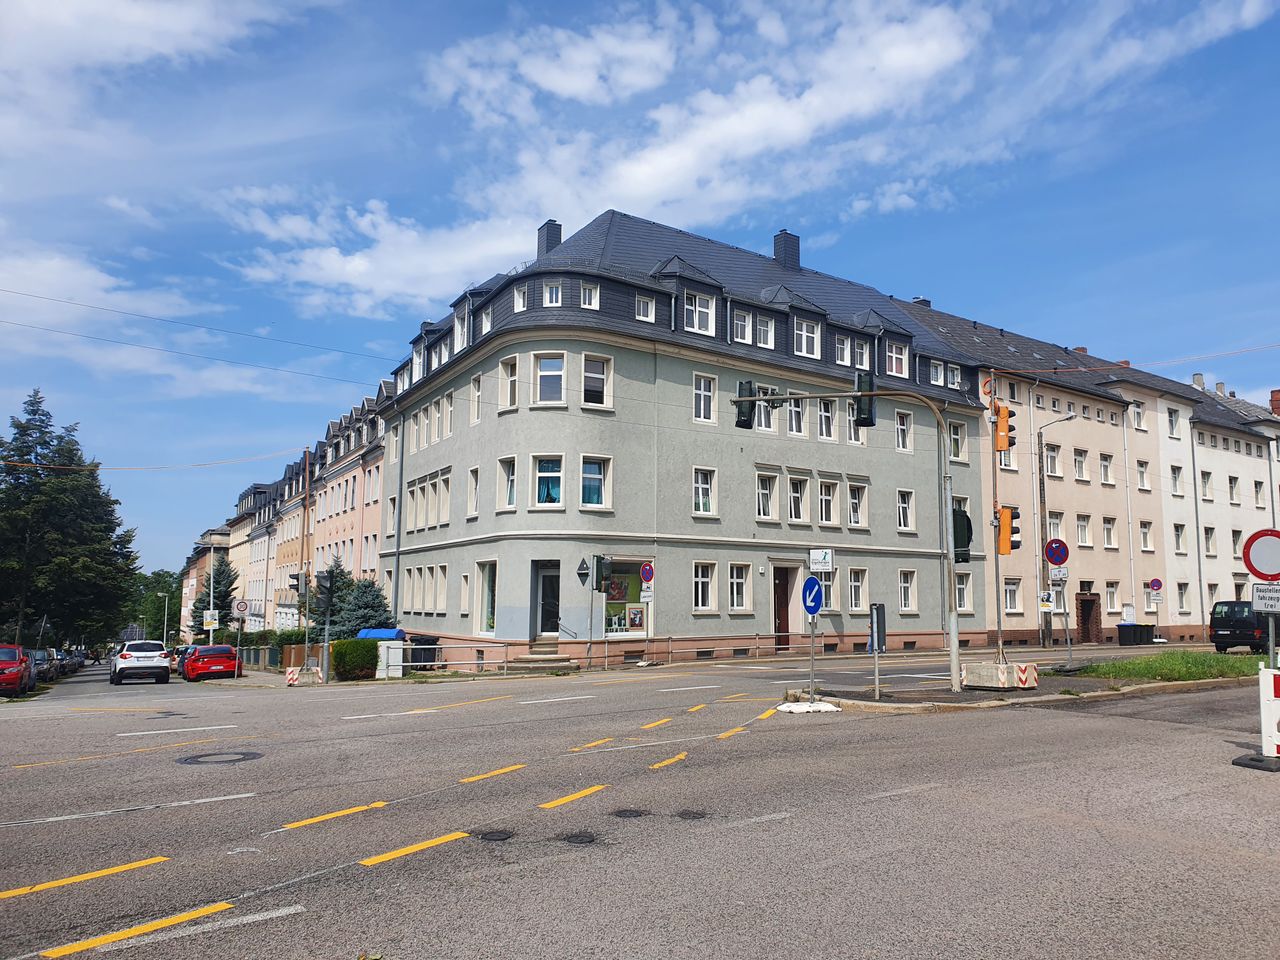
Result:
pixel 261 658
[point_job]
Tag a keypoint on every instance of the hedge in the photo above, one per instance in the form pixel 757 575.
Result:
pixel 355 659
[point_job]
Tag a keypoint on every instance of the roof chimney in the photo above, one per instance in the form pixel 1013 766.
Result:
pixel 1124 363
pixel 1197 381
pixel 548 237
pixel 1221 387
pixel 786 250
pixel 1275 402
pixel 923 301
pixel 1084 350
pixel 1231 394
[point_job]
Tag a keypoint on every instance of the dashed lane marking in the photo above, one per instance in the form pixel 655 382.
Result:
pixel 493 773
pixel 767 714
pixel 333 816
pixel 656 723
pixel 552 804
pixel 668 762
pixel 126 934
pixel 415 848
pixel 593 743
pixel 152 733
pixel 713 686
pixel 200 928
pixel 147 806
pixel 79 878
pixel 588 696
pixel 696 708
pixel 730 733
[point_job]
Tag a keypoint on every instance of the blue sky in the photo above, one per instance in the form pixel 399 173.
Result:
pixel 1094 173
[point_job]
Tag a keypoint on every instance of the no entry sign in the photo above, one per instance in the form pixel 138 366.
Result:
pixel 1262 554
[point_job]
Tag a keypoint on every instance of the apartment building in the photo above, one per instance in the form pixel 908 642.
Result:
pixel 581 407
pixel 195 574
pixel 347 493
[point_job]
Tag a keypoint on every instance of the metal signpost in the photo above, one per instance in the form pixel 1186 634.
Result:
pixel 877 640
pixel 211 622
pixel 812 597
pixel 241 610
pixel 1056 553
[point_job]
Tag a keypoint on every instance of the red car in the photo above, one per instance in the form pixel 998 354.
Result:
pixel 15 671
pixel 212 661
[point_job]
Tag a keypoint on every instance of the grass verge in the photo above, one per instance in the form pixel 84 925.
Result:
pixel 1175 665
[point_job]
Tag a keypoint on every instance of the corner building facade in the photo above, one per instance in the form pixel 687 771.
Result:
pixel 582 407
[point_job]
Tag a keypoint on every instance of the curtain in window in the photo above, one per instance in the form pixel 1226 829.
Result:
pixel 548 486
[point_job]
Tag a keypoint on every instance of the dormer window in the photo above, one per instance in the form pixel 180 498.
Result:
pixel 741 326
pixel 895 359
pixel 698 316
pixel 806 342
pixel 764 332
pixel 486 320
pixel 521 301
pixel 953 376
pixel 644 308
pixel 844 350
pixel 861 355
pixel 417 362
pixel 459 331
pixel 590 296
pixel 937 372
pixel 551 293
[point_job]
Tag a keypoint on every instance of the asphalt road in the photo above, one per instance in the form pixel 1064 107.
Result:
pixel 662 813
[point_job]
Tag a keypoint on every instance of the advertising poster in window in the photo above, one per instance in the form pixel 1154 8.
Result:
pixel 623 611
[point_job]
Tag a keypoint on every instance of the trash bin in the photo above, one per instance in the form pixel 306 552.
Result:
pixel 1147 633
pixel 424 651
pixel 1127 634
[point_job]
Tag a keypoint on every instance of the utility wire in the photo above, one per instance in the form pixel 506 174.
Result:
pixel 171 466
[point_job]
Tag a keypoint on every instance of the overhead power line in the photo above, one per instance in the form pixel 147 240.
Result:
pixel 169 466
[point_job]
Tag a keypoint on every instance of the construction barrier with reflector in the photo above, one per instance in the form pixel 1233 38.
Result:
pixel 1269 706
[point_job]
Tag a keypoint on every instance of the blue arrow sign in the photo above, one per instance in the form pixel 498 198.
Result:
pixel 812 595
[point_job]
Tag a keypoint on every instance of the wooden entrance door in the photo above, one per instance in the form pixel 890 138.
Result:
pixel 782 607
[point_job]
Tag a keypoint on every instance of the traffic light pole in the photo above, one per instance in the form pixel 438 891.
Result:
pixel 995 525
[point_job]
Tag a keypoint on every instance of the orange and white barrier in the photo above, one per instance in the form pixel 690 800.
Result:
pixel 291 676
pixel 1269 696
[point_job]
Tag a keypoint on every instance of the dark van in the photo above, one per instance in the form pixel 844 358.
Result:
pixel 1232 623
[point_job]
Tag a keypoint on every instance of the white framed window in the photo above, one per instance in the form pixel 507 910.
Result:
pixel 826 501
pixel 844 349
pixel 826 419
pixel 964 595
pixel 906 510
pixel 805 341
pixel 895 359
pixel 1012 594
pixel 549 383
pixel 741 326
pixel 548 472
pixel 764 331
pixel 509 383
pixel 486 320
pixel 597 381
pixel 795 418
pixel 521 297
pixel 1104 469
pixel 953 376
pixel 1144 536
pixel 596 492
pixel 1206 485
pixel 1080 462
pixel 1259 494
pixel 858 515
pixel 1148 597
pixel 862 354
pixel 902 431
pixel 937 373
pixel 959 441
pixel 1233 490
pixel 1183 590
pixel 1109 532
pixel 551 293
pixel 447 428
pixel 704 492
pixel 1082 530
pixel 1139 410
pixel 459 330
pixel 1051 467
pixel 699 316
pixel 473 492
pixel 1210 542
pixel 764 412
pixel 645 308
pixel 739 587
pixel 857 590
pixel 1143 482
pixel 1039 401
pixel 855 432
pixel 704 398
pixel 766 496
pixel 507 483
pixel 906 591
pixel 1055 404
pixel 391 516
pixel 589 296
pixel 798 500
pixel 827 578
pixel 1237 539
pixel 1179 538
pixel 704 587
pixel 475 398
pixel 1175 421
pixel 1113 596
pixel 437 416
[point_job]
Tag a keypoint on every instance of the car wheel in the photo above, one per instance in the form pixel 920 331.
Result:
pixel 1220 648
pixel 164 679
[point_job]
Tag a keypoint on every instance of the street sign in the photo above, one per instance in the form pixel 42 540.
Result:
pixel 1056 552
pixel 1262 555
pixel 820 560
pixel 1157 584
pixel 1157 597
pixel 1057 574
pixel 646 591
pixel 811 594
pixel 646 572
pixel 211 620
pixel 1266 598
pixel 241 607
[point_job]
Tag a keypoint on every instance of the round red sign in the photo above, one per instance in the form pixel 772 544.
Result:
pixel 1262 554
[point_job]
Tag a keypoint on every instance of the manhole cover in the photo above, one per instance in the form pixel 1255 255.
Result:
pixel 496 836
pixel 690 814
pixel 580 838
pixel 220 758
pixel 628 814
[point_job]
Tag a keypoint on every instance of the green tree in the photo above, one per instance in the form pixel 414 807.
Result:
pixel 340 584
pixel 363 607
pixel 63 551
pixel 224 591
pixel 149 592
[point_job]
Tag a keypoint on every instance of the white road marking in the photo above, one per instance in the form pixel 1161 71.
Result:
pixel 917 676
pixel 590 696
pixel 399 713
pixel 713 686
pixel 149 733
pixel 200 928
pixel 799 680
pixel 636 746
pixel 739 666
pixel 901 792
pixel 148 806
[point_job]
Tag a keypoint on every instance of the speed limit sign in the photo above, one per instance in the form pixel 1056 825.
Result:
pixel 241 607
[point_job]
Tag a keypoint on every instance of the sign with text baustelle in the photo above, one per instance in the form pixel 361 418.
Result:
pixel 820 560
pixel 211 619
pixel 1266 598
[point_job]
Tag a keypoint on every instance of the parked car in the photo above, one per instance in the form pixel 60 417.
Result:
pixel 44 666
pixel 16 678
pixel 140 660
pixel 218 660
pixel 1232 623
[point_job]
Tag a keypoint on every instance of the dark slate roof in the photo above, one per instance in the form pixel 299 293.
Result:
pixel 1251 412
pixel 679 267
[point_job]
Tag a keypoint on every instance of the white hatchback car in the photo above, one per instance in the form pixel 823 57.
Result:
pixel 140 660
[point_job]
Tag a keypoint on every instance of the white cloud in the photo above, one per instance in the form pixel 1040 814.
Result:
pixel 132 210
pixel 899 196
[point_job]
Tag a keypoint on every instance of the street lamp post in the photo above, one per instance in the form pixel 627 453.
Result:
pixel 165 637
pixel 1046 618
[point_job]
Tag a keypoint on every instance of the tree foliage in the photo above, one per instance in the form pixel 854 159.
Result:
pixel 64 554
pixel 362 606
pixel 224 592
pixel 148 607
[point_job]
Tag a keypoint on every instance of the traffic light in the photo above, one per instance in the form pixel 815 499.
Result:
pixel 604 572
pixel 963 529
pixel 324 588
pixel 1005 428
pixel 864 412
pixel 746 405
pixel 295 582
pixel 1010 534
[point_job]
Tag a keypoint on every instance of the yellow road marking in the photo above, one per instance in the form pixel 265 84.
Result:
pixel 755 700
pixel 93 875
pixel 593 743
pixel 337 813
pixel 405 851
pixel 493 773
pixel 729 733
pixel 696 709
pixel 767 714
pixel 464 703
pixel 125 753
pixel 663 676
pixel 656 723
pixel 552 804
pixel 668 762
pixel 137 931
pixel 733 696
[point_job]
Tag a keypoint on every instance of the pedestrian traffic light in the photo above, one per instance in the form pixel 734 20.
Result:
pixel 1005 428
pixel 962 534
pixel 864 412
pixel 604 572
pixel 745 403
pixel 1010 534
